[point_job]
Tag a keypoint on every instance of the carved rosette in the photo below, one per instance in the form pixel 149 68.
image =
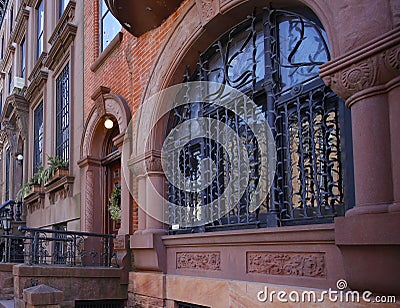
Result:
pixel 287 264
pixel 206 261
pixel 393 58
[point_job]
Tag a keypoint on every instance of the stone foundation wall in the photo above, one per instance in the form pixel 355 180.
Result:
pixel 76 283
pixel 6 281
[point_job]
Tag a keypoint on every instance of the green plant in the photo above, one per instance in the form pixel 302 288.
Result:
pixel 54 163
pixel 25 188
pixel 115 204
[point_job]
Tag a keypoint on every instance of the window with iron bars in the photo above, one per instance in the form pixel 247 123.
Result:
pixel 273 58
pixel 62 114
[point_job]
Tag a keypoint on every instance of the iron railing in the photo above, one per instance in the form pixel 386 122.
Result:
pixel 14 209
pixel 57 247
pixel 12 249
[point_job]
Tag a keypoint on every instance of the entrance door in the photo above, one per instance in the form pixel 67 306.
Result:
pixel 111 226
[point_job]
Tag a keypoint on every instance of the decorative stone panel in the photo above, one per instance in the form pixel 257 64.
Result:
pixel 287 264
pixel 206 261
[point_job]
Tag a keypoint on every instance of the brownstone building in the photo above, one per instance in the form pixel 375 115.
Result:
pixel 325 77
pixel 39 98
pixel 336 146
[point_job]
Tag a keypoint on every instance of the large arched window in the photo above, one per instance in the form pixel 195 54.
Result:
pixel 273 57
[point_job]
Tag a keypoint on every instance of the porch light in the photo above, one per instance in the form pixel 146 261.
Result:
pixel 108 123
pixel 20 158
pixel 6 220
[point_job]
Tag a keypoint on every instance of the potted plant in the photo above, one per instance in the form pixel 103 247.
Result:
pixel 33 185
pixel 114 206
pixel 57 168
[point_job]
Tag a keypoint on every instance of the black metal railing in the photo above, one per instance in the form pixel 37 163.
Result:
pixel 12 249
pixel 14 209
pixel 57 247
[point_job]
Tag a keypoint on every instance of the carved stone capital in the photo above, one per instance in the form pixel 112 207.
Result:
pixel 149 162
pixel 370 65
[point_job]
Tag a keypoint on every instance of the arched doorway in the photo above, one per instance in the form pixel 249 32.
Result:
pixel 101 165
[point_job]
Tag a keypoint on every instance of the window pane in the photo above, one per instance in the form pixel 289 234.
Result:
pixel 302 50
pixel 40 28
pixel 38 138
pixel 104 8
pixel 8 158
pixel 23 48
pixel 110 27
pixel 242 52
pixel 62 114
pixel 63 5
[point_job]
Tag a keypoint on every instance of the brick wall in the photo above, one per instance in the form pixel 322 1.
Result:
pixel 126 69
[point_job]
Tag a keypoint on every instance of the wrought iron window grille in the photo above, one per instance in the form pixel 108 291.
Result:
pixel 273 57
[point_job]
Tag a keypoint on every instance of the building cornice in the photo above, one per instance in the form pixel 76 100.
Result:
pixel 36 84
pixel 20 25
pixel 62 37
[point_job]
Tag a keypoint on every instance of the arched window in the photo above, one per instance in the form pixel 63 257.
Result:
pixel 273 57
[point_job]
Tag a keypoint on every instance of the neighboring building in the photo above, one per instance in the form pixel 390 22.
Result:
pixel 42 106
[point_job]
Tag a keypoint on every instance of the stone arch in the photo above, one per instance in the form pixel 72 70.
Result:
pixel 199 24
pixel 92 150
pixel 197 27
pixel 108 104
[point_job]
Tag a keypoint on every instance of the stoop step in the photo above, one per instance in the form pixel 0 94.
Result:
pixel 7 303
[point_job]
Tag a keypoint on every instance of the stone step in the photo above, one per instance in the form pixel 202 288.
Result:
pixel 7 303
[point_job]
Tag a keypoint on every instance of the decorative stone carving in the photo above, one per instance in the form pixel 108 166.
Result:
pixel 287 264
pixel 59 189
pixel 98 97
pixel 89 201
pixel 206 261
pixel 120 242
pixel 105 103
pixel 153 163
pixel 393 58
pixel 370 65
pixel 358 77
pixel 11 136
pixel 207 9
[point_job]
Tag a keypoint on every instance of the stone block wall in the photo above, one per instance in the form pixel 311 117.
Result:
pixel 6 281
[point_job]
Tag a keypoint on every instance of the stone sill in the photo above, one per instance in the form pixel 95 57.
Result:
pixel 307 234
pixel 23 270
pixel 106 52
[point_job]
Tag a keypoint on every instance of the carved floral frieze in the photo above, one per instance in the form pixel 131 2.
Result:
pixel 287 264
pixel 206 261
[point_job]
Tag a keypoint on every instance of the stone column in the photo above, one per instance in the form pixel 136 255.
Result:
pixel 146 243
pixel 369 235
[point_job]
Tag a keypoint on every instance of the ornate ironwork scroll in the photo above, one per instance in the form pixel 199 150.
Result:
pixel 272 57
